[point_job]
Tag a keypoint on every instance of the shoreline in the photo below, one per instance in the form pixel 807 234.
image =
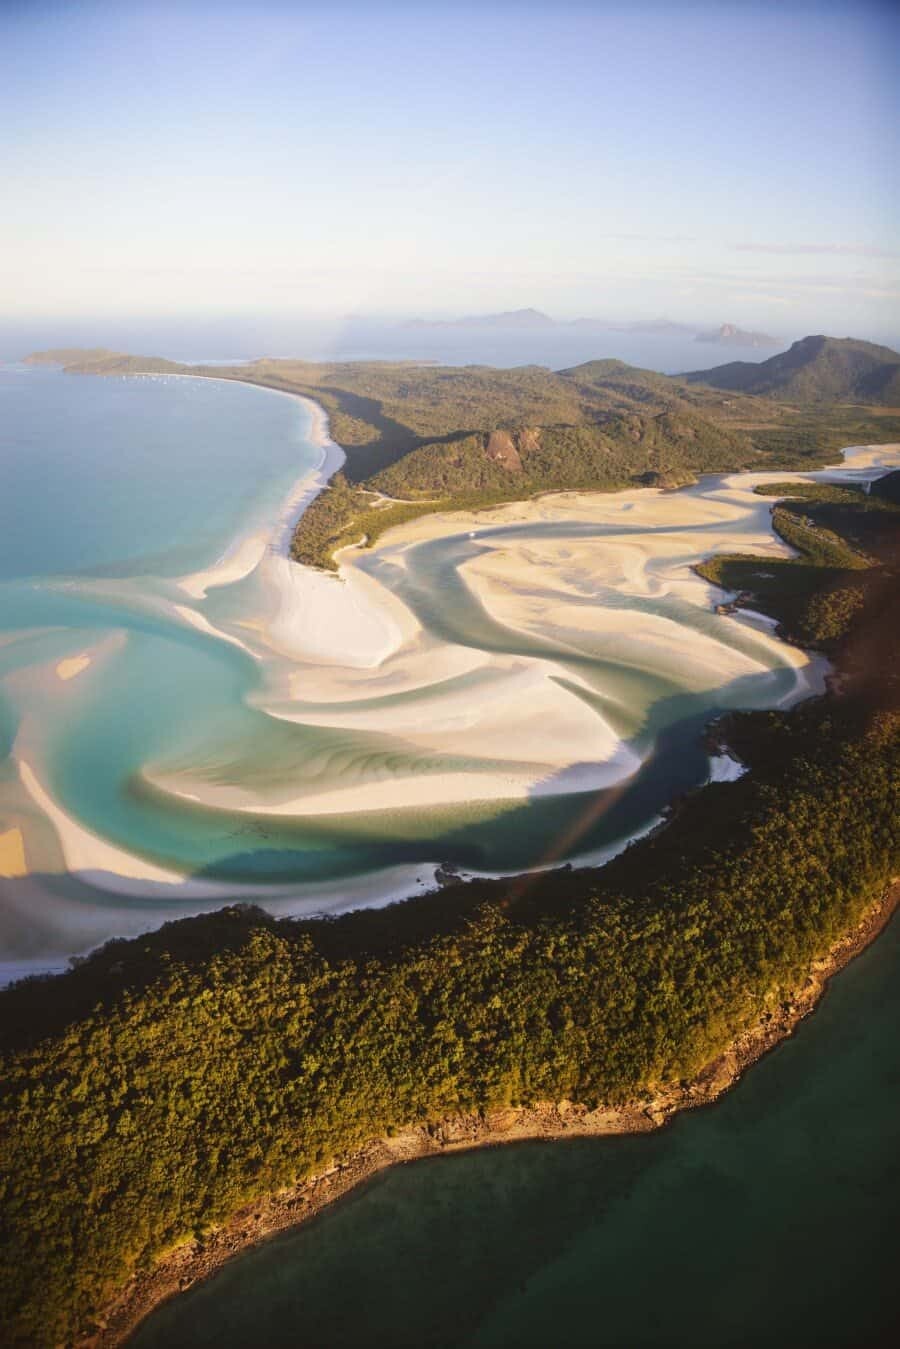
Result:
pixel 262 1219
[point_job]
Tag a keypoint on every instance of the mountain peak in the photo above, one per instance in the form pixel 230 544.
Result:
pixel 815 369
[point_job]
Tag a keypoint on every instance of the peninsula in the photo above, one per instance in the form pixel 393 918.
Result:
pixel 422 439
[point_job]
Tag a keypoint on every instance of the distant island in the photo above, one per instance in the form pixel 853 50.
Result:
pixel 513 318
pixel 728 335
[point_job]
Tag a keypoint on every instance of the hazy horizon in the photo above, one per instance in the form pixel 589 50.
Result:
pixel 705 162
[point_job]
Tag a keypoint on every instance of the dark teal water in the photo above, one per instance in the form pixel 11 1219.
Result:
pixel 769 1219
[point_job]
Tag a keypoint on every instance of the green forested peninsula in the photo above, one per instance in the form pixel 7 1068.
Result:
pixel 165 1081
pixel 838 532
pixel 443 438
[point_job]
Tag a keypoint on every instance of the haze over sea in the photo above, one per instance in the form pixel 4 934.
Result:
pixel 243 338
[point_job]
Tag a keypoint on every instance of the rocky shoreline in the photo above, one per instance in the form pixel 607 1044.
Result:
pixel 196 1260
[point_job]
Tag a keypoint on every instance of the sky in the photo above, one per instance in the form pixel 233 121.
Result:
pixel 735 160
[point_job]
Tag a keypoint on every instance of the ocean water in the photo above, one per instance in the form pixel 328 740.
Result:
pixel 765 1220
pixel 113 489
pixel 137 476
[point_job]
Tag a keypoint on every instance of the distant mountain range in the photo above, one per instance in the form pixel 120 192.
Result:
pixel 815 369
pixel 531 319
pixel 511 318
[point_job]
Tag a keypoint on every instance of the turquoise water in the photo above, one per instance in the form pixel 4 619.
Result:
pixel 137 476
pixel 113 488
pixel 768 1219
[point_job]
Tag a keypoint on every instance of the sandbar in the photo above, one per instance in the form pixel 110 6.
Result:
pixel 72 666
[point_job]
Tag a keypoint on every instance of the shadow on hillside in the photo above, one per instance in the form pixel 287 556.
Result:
pixel 394 440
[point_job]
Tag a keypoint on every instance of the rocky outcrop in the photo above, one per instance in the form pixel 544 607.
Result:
pixel 501 449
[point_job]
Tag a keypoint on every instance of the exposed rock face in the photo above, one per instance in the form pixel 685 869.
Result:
pixel 501 449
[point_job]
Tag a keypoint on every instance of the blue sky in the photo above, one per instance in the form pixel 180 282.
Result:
pixel 729 160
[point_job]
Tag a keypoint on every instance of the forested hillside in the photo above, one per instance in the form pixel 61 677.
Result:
pixel 815 369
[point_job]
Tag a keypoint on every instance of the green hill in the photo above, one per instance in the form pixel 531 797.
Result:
pixel 67 356
pixel 815 369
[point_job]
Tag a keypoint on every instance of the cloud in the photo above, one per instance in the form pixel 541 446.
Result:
pixel 837 250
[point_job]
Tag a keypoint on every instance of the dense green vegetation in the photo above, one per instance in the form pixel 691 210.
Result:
pixel 818 545
pixel 816 491
pixel 838 532
pixel 454 437
pixel 167 1080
